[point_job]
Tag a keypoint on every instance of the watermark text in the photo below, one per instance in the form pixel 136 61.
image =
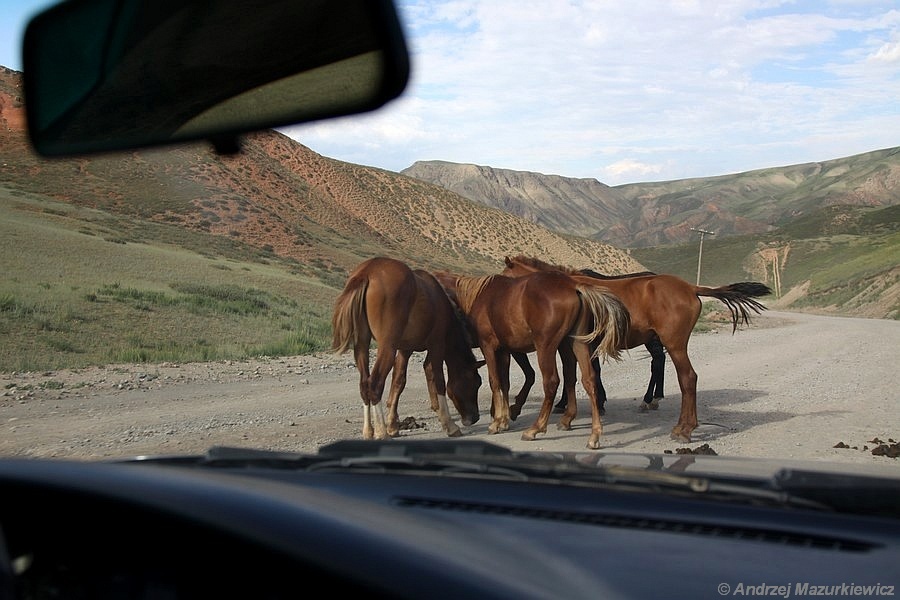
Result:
pixel 805 588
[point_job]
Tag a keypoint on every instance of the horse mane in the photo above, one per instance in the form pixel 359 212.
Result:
pixel 462 321
pixel 596 275
pixel 536 263
pixel 468 288
pixel 540 265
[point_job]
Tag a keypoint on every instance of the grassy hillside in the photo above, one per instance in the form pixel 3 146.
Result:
pixel 641 215
pixel 83 286
pixel 87 285
pixel 839 260
pixel 177 255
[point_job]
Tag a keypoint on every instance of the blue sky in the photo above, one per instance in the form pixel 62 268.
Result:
pixel 623 91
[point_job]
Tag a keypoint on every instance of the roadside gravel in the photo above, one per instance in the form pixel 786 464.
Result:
pixel 791 385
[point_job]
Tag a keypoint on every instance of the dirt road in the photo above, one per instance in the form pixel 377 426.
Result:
pixel 791 385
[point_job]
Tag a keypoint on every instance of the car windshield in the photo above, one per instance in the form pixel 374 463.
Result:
pixel 704 195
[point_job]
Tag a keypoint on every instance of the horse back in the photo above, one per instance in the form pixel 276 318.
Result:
pixel 544 304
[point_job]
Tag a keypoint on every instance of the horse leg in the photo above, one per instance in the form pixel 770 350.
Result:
pixel 601 391
pixel 550 377
pixel 687 381
pixel 560 407
pixel 658 368
pixel 591 383
pixel 398 384
pixel 521 359
pixel 361 358
pixel 568 365
pixel 497 362
pixel 384 361
pixel 657 374
pixel 437 390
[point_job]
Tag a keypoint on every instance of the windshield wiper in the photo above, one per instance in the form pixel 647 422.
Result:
pixel 848 493
pixel 478 459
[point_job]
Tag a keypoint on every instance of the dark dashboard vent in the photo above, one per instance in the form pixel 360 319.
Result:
pixel 773 536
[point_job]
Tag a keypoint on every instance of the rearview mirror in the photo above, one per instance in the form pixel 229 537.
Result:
pixel 105 75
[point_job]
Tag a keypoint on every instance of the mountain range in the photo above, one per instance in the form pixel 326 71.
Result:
pixel 659 213
pixel 281 197
pixel 281 201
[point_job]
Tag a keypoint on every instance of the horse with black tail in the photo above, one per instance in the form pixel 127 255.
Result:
pixel 668 307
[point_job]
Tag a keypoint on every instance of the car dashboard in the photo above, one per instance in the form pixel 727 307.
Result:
pixel 186 528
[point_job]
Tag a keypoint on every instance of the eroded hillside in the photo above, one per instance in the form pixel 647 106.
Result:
pixel 281 197
pixel 659 213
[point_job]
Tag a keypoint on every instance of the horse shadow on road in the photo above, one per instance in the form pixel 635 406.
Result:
pixel 625 425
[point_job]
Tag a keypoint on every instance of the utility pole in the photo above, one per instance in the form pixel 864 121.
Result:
pixel 702 232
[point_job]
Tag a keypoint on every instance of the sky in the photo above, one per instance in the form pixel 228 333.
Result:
pixel 621 91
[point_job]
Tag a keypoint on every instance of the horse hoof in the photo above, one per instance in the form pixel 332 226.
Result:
pixel 680 437
pixel 528 436
pixel 454 434
pixel 498 427
pixel 654 404
pixel 564 426
pixel 593 444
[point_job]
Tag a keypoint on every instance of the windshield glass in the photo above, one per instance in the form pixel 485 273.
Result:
pixel 739 161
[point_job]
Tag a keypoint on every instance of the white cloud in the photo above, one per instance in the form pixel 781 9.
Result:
pixel 887 53
pixel 693 88
pixel 629 169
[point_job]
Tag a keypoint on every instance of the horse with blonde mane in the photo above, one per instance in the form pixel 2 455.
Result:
pixel 544 313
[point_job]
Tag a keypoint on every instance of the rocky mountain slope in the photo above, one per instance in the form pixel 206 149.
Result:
pixel 658 213
pixel 279 200
pixel 281 197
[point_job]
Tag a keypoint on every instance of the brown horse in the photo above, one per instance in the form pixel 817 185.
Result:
pixel 544 313
pixel 668 307
pixel 405 311
pixel 655 386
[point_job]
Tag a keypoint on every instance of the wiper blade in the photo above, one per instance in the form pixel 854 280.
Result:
pixel 458 458
pixel 444 457
pixel 419 465
pixel 476 458
pixel 469 448
pixel 848 493
pixel 539 470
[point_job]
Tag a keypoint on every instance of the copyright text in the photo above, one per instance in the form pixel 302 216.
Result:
pixel 787 590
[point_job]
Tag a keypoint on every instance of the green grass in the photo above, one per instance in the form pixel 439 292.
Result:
pixel 71 298
pixel 82 286
pixel 844 267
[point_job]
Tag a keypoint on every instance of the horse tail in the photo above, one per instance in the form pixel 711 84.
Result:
pixel 610 320
pixel 349 315
pixel 739 298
